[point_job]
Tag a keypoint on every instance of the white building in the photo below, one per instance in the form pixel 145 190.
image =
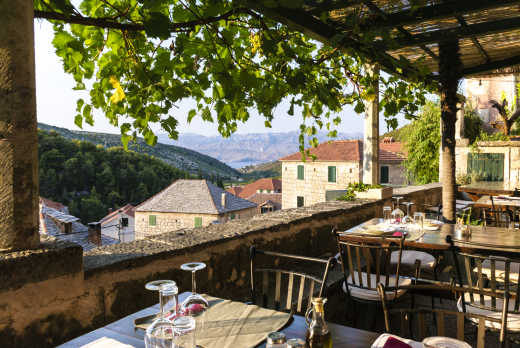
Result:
pixel 120 224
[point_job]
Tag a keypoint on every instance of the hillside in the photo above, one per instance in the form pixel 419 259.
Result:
pixel 90 179
pixel 241 150
pixel 179 157
pixel 399 134
pixel 262 170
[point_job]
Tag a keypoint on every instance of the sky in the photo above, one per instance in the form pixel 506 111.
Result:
pixel 56 101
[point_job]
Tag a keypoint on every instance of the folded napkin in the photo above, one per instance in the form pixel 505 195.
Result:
pixel 392 341
pixel 105 342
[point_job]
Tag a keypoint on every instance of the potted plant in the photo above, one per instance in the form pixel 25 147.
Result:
pixel 371 191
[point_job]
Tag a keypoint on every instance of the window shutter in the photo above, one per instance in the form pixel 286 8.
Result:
pixel 198 222
pixel 301 172
pixel 332 174
pixel 152 220
pixel 384 175
pixel 299 201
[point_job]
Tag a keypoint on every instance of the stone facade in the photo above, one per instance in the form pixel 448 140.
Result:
pixel 315 183
pixel 168 222
pixel 55 293
pixel 510 149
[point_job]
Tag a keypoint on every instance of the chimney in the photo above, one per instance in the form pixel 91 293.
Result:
pixel 110 210
pixel 94 233
pixel 223 200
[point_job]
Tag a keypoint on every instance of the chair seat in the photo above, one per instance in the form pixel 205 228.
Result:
pixel 514 270
pixel 513 319
pixel 372 295
pixel 408 258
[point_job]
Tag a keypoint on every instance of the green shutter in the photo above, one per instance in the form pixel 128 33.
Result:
pixel 152 220
pixel 489 166
pixel 384 175
pixel 299 201
pixel 301 172
pixel 198 222
pixel 332 174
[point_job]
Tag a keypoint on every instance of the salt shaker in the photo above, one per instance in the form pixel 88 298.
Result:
pixel 276 340
pixel 295 343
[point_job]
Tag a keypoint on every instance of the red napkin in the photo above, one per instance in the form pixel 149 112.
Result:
pixel 397 234
pixel 393 342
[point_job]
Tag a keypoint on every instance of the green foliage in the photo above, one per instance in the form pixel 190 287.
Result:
pixel 352 188
pixel 423 143
pixel 228 59
pixel 350 195
pixel 472 125
pixel 91 179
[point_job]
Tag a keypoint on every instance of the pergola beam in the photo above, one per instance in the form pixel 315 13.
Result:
pixel 493 65
pixel 469 31
pixel 475 41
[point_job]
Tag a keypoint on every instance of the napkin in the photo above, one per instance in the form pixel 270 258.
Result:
pixel 105 342
pixel 393 342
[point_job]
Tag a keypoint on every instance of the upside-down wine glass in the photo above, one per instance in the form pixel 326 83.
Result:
pixel 161 332
pixel 397 213
pixel 195 305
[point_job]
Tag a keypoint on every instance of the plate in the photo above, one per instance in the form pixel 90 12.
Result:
pixel 444 342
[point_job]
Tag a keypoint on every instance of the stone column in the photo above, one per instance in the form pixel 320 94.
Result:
pixel 459 124
pixel 371 134
pixel 18 132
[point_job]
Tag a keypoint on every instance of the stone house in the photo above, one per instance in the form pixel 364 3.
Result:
pixel 337 164
pixel 266 193
pixel 266 202
pixel 119 224
pixel 188 204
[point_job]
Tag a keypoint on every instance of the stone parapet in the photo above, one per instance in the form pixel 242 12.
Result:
pixel 109 283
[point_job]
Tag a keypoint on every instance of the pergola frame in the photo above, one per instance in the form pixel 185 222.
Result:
pixel 451 38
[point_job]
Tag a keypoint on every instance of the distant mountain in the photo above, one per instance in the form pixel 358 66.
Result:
pixel 179 157
pixel 241 150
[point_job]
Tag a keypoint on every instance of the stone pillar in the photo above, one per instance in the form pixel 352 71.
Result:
pixel 371 134
pixel 459 124
pixel 18 132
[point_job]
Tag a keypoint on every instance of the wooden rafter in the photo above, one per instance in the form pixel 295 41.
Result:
pixel 498 64
pixel 475 41
pixel 435 36
pixel 382 15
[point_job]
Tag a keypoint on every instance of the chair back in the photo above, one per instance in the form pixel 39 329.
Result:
pixel 365 255
pixel 419 323
pixel 276 285
pixel 493 274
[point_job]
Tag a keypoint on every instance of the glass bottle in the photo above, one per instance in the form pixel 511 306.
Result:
pixel 318 334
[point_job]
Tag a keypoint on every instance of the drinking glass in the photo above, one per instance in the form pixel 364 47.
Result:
pixel 397 213
pixel 195 305
pixel 160 333
pixel 184 332
pixel 155 285
pixel 387 214
pixel 418 218
pixel 408 219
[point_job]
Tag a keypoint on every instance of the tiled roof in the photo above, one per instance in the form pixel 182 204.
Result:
pixel 261 184
pixel 55 205
pixel 235 190
pixel 127 209
pixel 350 150
pixel 261 198
pixel 78 235
pixel 193 196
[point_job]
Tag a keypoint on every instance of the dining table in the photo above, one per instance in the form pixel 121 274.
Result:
pixel 490 188
pixel 481 239
pixel 123 332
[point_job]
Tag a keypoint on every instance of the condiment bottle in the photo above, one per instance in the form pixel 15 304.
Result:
pixel 295 343
pixel 276 340
pixel 318 335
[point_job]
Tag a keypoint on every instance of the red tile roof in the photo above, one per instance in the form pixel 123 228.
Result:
pixel 127 209
pixel 350 150
pixel 52 204
pixel 262 198
pixel 248 190
pixel 234 190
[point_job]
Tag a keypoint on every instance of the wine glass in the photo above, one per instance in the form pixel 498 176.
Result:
pixel 408 219
pixel 397 213
pixel 418 218
pixel 387 214
pixel 155 285
pixel 195 305
pixel 184 332
pixel 160 333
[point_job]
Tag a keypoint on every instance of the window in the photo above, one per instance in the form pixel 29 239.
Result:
pixel 232 217
pixel 299 201
pixel 332 174
pixel 198 222
pixel 489 166
pixel 301 173
pixel 385 178
pixel 152 220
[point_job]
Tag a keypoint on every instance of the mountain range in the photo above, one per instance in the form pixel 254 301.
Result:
pixel 241 150
pixel 178 157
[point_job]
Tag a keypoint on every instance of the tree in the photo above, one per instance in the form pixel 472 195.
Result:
pixel 147 56
pixel 508 115
pixel 422 144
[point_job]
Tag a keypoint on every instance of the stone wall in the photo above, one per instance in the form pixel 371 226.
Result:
pixel 51 295
pixel 168 222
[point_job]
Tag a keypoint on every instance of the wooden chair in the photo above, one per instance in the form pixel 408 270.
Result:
pixel 414 323
pixel 366 261
pixel 292 290
pixel 493 274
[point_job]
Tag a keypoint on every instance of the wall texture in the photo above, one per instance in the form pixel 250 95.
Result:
pixel 55 293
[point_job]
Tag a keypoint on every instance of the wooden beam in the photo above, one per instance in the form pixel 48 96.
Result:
pixel 382 14
pixel 472 30
pixel 493 65
pixel 475 41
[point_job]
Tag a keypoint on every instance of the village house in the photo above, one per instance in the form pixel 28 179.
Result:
pixel 337 164
pixel 119 224
pixel 266 193
pixel 188 204
pixel 57 223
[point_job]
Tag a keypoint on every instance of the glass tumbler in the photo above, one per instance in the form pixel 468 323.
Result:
pixel 160 333
pixel 418 219
pixel 387 214
pixel 184 332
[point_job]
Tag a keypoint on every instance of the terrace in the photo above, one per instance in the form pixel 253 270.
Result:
pixel 53 291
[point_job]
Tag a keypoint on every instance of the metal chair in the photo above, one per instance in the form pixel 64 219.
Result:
pixel 288 284
pixel 419 323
